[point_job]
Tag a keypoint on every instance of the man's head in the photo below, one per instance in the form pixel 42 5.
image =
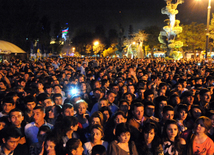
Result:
pixel 149 109
pixel 57 98
pixel 81 79
pixel 161 102
pixel 16 117
pixel 22 82
pixel 11 137
pixel 8 104
pixel 198 81
pixel 103 103
pixel 111 96
pixel 138 110
pixel 131 89
pixel 141 91
pixel 30 102
pixel 48 89
pixel 129 97
pixel 48 102
pixel 205 95
pixel 57 89
pixel 115 88
pixel 68 109
pixel 149 95
pixel 124 105
pixel 187 97
pixel 39 114
pixel 209 80
pixel 83 86
pixel 97 84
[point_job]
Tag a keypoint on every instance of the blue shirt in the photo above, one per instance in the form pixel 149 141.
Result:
pixel 31 131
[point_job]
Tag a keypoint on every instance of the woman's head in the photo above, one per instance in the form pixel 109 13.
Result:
pixel 74 147
pixel 97 118
pixel 211 116
pixel 182 111
pixel 70 123
pixel 123 133
pixel 149 132
pixel 170 129
pixel 97 133
pixel 50 144
pixel 44 130
pixel 203 124
pixel 106 113
pixel 196 111
pixel 81 107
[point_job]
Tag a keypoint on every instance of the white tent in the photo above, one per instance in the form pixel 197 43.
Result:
pixel 9 47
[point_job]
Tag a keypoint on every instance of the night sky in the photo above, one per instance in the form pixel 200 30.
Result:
pixel 109 13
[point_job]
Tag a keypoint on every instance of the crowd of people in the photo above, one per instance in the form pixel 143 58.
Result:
pixel 106 106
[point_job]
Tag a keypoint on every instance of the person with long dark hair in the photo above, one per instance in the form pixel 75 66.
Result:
pixel 200 142
pixel 66 129
pixel 149 143
pixel 74 147
pixel 172 143
pixel 51 146
pixel 123 145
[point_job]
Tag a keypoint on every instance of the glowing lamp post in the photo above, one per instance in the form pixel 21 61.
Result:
pixel 96 43
pixel 96 47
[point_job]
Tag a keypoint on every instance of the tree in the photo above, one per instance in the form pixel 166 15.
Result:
pixel 211 29
pixel 81 39
pixel 168 37
pixel 112 37
pixel 98 48
pixel 88 49
pixel 131 34
pixel 193 37
pixel 139 38
pixel 57 31
pixel 152 38
pixel 45 26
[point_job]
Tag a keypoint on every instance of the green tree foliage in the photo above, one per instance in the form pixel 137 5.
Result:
pixel 211 29
pixel 152 37
pixel 193 37
pixel 81 39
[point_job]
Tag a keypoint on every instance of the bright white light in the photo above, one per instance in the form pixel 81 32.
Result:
pixel 96 43
pixel 74 91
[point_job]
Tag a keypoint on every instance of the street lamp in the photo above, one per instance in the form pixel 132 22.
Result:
pixel 96 43
pixel 208 22
pixel 96 47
